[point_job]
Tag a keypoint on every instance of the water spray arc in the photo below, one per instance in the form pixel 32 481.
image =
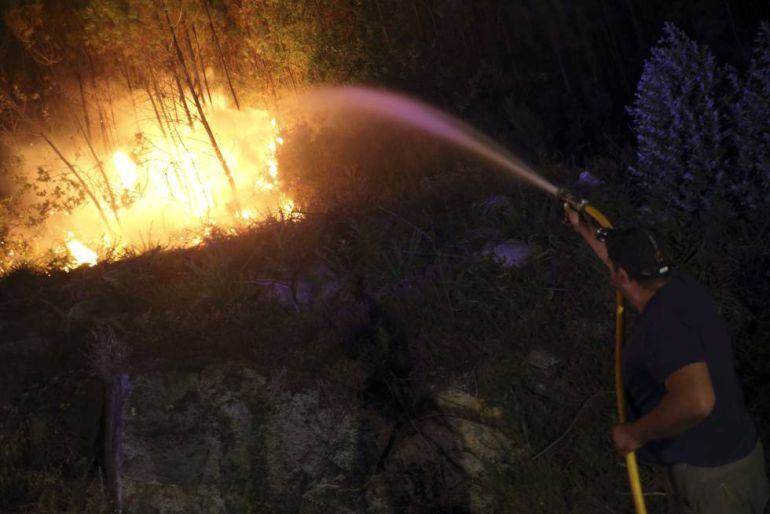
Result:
pixel 416 114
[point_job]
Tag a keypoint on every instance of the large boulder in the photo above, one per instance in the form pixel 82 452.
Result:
pixel 222 438
pixel 445 460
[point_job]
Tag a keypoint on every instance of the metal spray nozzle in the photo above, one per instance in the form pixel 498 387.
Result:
pixel 570 199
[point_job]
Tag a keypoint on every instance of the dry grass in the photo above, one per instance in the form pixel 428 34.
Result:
pixel 466 320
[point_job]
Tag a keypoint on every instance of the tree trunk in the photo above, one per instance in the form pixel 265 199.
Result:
pixel 157 114
pixel 112 112
pixel 127 76
pixel 194 58
pixel 82 182
pixel 103 127
pixel 182 98
pixel 222 59
pixel 204 120
pixel 83 100
pixel 203 63
pixel 113 203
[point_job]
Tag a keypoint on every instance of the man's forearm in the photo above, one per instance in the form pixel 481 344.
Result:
pixel 599 248
pixel 584 229
pixel 673 415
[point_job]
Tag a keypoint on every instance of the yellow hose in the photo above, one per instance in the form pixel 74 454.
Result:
pixel 631 464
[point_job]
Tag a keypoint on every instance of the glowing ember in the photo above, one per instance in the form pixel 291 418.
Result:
pixel 287 207
pixel 80 253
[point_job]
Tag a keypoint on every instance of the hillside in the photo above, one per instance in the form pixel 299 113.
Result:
pixel 383 317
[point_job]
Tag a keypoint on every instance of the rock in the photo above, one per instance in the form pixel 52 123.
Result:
pixel 485 445
pixel 554 390
pixel 496 204
pixel 587 180
pixel 301 293
pixel 25 362
pixel 297 294
pixel 57 424
pixel 541 359
pixel 510 253
pixel 444 462
pixel 221 438
pixel 189 440
pixel 329 497
pixel 304 442
pixel 480 236
pixel 225 439
pixel 455 400
pixel 446 459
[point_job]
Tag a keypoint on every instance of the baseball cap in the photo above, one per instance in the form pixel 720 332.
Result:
pixel 636 250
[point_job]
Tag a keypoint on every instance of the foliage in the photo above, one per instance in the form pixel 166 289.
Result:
pixel 750 115
pixel 415 254
pixel 701 130
pixel 541 76
pixel 563 70
pixel 702 159
pixel 679 121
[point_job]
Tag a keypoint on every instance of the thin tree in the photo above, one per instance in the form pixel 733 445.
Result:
pixel 157 113
pixel 79 178
pixel 199 107
pixel 202 61
pixel 222 59
pixel 100 166
pixel 83 99
pixel 180 92
pixel 193 57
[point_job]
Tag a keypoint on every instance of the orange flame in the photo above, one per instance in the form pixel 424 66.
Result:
pixel 167 186
pixel 81 254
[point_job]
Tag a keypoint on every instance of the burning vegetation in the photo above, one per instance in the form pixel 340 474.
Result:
pixel 97 165
pixel 159 182
pixel 421 299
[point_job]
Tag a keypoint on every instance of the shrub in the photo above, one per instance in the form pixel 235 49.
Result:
pixel 679 120
pixel 751 115
pixel 703 158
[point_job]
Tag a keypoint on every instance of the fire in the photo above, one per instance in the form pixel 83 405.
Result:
pixel 80 253
pixel 287 207
pixel 164 183
pixel 126 169
pixel 246 214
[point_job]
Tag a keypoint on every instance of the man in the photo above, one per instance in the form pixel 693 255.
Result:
pixel 684 397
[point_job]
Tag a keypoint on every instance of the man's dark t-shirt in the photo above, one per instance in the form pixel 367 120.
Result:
pixel 680 326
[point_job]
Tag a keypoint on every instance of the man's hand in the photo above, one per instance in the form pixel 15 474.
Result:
pixel 572 217
pixel 624 439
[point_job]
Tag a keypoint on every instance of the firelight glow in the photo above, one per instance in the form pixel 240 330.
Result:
pixel 126 169
pixel 81 254
pixel 165 185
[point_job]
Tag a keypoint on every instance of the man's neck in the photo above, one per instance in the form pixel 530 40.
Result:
pixel 640 296
pixel 643 298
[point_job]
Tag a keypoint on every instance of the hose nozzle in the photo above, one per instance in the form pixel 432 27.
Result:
pixel 582 206
pixel 570 199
